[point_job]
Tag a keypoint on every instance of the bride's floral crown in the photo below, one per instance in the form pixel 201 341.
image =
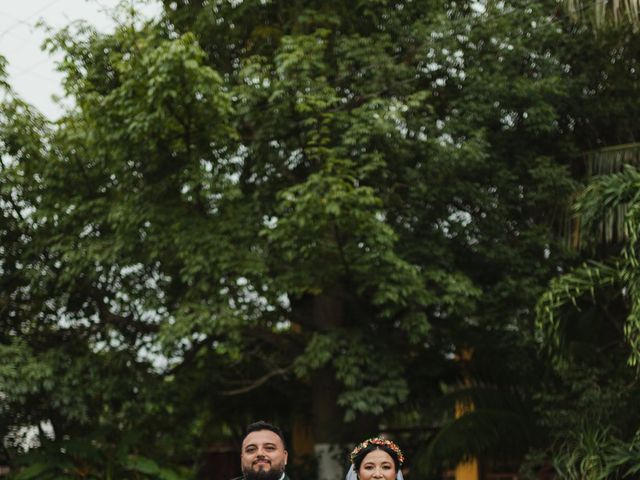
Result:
pixel 378 441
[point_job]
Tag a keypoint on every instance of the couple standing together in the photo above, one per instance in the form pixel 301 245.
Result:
pixel 264 456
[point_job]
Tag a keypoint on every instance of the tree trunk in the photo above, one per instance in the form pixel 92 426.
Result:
pixel 327 416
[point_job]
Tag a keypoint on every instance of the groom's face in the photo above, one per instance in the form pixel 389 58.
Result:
pixel 263 456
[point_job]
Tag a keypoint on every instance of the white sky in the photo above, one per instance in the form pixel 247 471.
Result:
pixel 32 72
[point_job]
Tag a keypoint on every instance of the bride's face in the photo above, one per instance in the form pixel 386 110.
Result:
pixel 377 465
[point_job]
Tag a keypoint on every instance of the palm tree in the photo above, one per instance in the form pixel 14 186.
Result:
pixel 608 216
pixel 591 302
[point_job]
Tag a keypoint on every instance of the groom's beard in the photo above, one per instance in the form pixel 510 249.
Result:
pixel 273 473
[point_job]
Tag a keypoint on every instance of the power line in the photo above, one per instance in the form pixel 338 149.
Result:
pixel 38 75
pixel 30 68
pixel 25 20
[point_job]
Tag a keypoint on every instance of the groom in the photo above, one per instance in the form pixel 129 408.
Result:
pixel 263 455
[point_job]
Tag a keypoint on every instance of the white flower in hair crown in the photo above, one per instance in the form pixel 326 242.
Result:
pixel 378 441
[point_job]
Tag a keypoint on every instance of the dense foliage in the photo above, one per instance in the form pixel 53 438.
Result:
pixel 340 215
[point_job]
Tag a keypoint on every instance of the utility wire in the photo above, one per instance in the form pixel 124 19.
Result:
pixel 25 20
pixel 29 69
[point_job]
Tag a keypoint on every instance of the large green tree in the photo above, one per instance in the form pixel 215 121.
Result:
pixel 461 92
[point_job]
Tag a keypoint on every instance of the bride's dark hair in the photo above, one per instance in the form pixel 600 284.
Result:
pixel 357 459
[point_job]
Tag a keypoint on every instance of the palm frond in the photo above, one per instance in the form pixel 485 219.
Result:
pixel 625 457
pixel 599 211
pixel 490 423
pixel 481 396
pixel 632 330
pixel 585 455
pixel 568 289
pixel 605 12
pixel 481 433
pixel 595 452
pixel 602 208
pixel 583 281
pixel 612 159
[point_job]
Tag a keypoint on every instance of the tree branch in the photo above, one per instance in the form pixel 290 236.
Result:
pixel 257 383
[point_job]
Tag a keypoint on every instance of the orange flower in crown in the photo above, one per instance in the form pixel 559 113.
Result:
pixel 378 441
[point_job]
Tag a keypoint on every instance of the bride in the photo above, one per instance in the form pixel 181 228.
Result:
pixel 376 459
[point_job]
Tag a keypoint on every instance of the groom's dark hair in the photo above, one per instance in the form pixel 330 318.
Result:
pixel 262 425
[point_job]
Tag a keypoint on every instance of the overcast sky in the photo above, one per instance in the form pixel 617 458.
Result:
pixel 32 72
